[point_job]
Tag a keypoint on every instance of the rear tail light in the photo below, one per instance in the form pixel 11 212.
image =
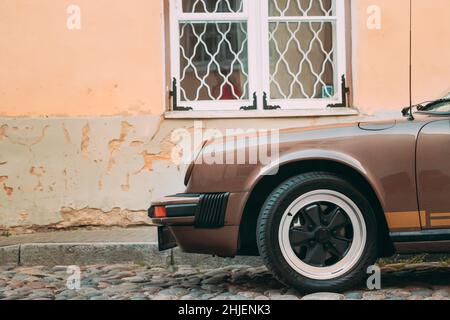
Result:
pixel 160 212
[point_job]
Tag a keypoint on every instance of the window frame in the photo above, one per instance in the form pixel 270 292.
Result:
pixel 258 40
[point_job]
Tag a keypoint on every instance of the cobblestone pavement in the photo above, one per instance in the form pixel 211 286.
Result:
pixel 412 282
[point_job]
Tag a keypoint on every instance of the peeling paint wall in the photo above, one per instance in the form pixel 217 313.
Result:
pixel 68 172
pixel 76 172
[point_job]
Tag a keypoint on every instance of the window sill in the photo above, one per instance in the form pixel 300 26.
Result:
pixel 329 112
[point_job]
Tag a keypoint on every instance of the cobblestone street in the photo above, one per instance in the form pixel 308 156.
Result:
pixel 424 281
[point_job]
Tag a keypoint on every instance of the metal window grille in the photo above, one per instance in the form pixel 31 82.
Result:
pixel 227 54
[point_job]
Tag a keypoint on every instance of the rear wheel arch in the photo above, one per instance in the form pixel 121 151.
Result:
pixel 265 186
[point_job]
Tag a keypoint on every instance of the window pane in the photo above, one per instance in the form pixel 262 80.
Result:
pixel 294 8
pixel 214 61
pixel 212 6
pixel 301 60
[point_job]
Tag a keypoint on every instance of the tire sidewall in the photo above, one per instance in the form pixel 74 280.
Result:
pixel 274 209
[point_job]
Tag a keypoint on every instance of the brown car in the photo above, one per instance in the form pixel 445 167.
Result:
pixel 342 196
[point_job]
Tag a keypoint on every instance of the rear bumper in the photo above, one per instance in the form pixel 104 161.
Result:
pixel 200 223
pixel 180 210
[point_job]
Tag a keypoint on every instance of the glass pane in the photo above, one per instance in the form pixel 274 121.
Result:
pixel 294 8
pixel 442 107
pixel 301 60
pixel 214 61
pixel 212 6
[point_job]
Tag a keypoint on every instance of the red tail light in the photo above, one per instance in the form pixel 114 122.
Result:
pixel 160 212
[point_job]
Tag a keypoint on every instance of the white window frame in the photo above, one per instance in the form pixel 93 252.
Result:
pixel 258 64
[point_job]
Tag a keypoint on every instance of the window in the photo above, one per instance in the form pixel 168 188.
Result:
pixel 267 54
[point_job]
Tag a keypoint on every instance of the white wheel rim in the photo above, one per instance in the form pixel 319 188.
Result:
pixel 354 253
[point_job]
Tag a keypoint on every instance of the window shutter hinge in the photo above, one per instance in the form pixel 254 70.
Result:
pixel 174 97
pixel 266 105
pixel 254 106
pixel 345 92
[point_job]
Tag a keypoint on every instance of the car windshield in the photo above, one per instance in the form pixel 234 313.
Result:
pixel 443 107
pixel 437 106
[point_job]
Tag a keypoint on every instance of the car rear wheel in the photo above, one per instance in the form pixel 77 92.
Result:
pixel 316 232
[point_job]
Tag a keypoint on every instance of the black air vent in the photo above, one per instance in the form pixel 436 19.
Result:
pixel 211 211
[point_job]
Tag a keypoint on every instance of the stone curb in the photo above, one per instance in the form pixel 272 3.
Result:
pixel 9 255
pixel 56 254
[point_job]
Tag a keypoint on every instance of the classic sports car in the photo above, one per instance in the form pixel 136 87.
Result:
pixel 342 197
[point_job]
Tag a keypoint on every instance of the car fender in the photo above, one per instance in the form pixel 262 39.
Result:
pixel 321 155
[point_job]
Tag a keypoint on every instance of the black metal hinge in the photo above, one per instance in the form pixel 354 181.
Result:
pixel 345 91
pixel 266 106
pixel 174 97
pixel 254 106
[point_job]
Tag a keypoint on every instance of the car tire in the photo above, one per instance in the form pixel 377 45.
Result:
pixel 315 255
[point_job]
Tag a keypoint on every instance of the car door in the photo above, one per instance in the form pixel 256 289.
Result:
pixel 433 174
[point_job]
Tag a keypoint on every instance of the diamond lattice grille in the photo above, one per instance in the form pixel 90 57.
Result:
pixel 302 54
pixel 292 8
pixel 212 6
pixel 257 54
pixel 214 61
pixel 301 59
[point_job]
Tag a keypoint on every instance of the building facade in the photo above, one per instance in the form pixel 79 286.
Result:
pixel 91 92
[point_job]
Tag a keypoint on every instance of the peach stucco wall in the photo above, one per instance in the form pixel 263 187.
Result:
pixel 431 49
pixel 381 56
pixel 114 65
